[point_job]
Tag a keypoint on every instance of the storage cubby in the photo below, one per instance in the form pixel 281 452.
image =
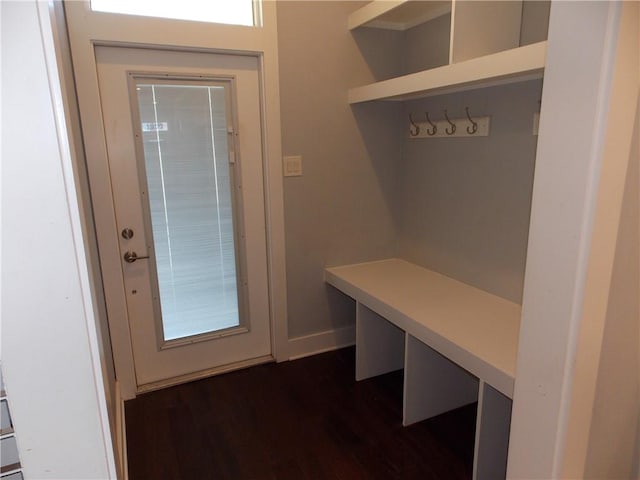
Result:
pixel 433 384
pixel 381 344
pixel 405 48
pixel 456 343
pixel 450 46
pixel 398 15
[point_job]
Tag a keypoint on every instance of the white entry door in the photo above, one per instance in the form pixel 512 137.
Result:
pixel 184 143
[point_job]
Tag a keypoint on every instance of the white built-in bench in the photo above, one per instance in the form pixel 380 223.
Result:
pixel 456 343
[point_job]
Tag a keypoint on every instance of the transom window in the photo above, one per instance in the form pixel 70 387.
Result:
pixel 232 12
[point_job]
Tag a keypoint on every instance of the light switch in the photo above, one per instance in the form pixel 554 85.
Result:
pixel 292 166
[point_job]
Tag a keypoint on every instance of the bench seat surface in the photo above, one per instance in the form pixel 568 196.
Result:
pixel 475 329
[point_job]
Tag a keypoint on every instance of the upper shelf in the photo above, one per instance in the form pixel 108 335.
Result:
pixel 515 65
pixel 397 14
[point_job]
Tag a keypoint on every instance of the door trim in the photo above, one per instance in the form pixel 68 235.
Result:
pixel 88 29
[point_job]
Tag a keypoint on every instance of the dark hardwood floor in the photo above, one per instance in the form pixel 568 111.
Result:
pixel 306 419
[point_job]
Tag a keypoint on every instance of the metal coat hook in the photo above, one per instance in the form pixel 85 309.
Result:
pixel 474 126
pixel 416 128
pixel 434 128
pixel 453 125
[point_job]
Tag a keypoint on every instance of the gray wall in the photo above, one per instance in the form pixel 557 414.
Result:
pixel 427 45
pixel 613 447
pixel 459 206
pixel 535 21
pixel 392 53
pixel 465 202
pixel 342 209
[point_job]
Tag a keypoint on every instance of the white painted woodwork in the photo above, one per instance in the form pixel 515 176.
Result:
pixel 481 32
pixel 325 341
pixel 475 329
pixel 155 364
pixel 432 383
pixel 590 361
pixel 575 208
pixel 492 434
pixel 397 301
pixel 70 101
pixel 515 65
pixel 88 29
pixel 51 357
pixel 380 344
pixel 480 28
pixel 397 15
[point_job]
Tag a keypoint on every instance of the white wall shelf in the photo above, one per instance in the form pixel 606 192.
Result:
pixel 509 66
pixel 397 14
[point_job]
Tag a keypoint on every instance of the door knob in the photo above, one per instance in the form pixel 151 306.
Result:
pixel 131 257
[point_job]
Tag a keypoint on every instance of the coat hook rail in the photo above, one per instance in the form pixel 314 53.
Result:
pixel 466 126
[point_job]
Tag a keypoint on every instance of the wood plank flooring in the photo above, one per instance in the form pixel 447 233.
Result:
pixel 306 419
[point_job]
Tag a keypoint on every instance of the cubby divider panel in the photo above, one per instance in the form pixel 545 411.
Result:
pixel 492 434
pixel 433 384
pixel 379 344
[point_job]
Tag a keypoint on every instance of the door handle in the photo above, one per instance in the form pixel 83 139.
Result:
pixel 131 257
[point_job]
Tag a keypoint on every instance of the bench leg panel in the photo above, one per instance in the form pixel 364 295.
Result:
pixel 492 434
pixel 433 384
pixel 379 344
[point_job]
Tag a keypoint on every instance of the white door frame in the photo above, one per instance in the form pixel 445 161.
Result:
pixel 88 29
pixel 588 109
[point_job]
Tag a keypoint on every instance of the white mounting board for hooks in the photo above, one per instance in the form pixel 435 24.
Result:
pixel 461 128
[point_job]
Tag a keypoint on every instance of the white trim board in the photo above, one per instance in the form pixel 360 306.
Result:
pixel 320 342
pixel 122 463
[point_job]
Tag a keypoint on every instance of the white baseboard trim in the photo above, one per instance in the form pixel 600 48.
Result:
pixel 321 342
pixel 121 436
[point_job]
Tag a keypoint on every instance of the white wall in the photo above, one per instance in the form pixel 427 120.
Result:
pixel 63 52
pixel 612 438
pixel 583 150
pixel 50 354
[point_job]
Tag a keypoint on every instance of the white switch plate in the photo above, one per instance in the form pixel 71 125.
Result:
pixel 292 166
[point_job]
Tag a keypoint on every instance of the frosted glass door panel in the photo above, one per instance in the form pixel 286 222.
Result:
pixel 184 134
